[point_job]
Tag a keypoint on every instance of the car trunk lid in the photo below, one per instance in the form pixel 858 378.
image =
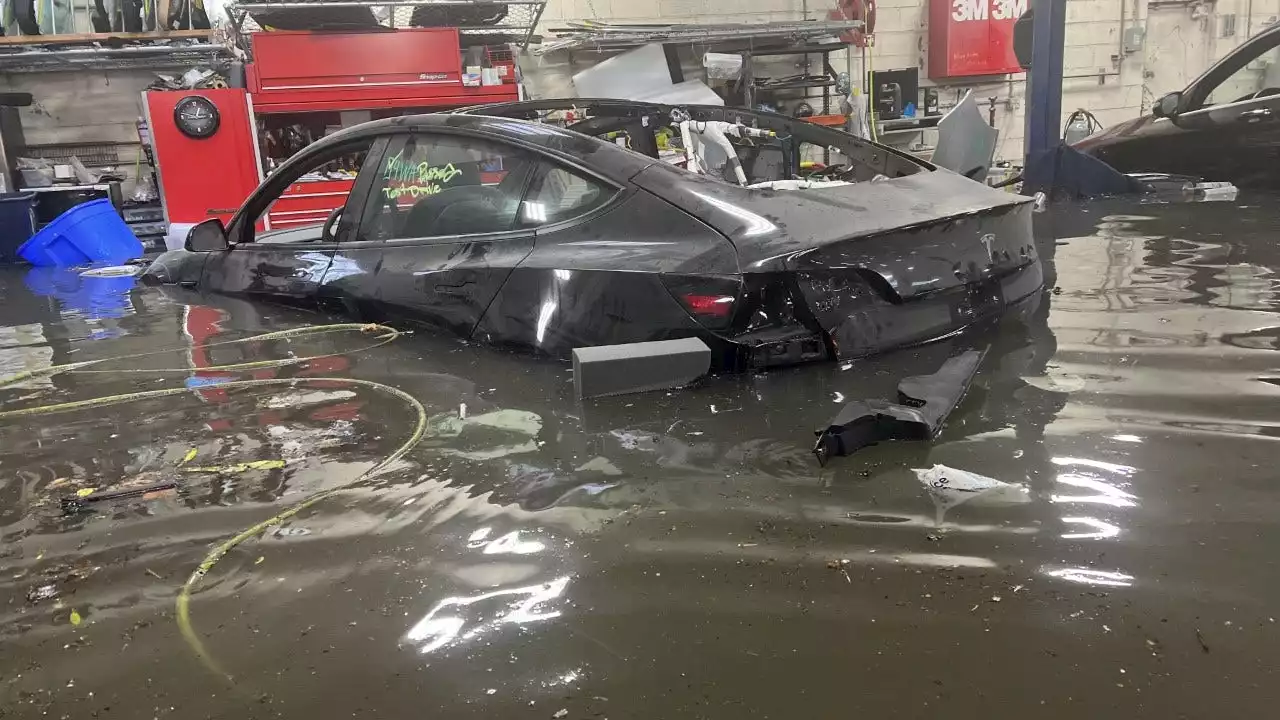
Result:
pixel 915 232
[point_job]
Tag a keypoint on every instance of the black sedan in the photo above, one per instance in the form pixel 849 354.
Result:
pixel 1225 126
pixel 818 246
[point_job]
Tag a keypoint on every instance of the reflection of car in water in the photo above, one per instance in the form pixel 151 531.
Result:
pixel 530 235
pixel 1225 126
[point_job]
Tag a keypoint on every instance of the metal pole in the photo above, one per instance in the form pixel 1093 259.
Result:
pixel 1044 92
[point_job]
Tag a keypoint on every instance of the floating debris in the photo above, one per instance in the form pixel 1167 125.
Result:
pixel 237 467
pixel 42 593
pixel 114 271
pixel 949 487
pixel 309 397
pixel 599 464
pixel 86 496
pixel 75 617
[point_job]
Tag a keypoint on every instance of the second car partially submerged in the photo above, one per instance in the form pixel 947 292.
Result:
pixel 796 243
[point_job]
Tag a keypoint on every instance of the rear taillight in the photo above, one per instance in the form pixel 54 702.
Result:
pixel 709 305
pixel 709 299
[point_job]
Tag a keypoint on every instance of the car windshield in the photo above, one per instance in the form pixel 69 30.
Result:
pixel 1258 77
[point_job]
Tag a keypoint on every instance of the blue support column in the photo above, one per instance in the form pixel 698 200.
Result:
pixel 1043 130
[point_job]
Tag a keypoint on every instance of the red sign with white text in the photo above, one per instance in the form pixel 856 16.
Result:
pixel 972 37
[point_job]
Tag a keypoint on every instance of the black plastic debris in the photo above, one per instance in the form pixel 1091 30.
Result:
pixel 79 504
pixel 924 402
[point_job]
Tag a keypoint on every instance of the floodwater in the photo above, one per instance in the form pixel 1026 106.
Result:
pixel 669 555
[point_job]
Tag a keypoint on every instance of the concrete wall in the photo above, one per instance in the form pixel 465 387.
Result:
pixel 1182 40
pixel 84 108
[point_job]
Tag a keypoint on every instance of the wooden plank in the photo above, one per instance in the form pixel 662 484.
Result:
pixel 162 13
pixel 84 38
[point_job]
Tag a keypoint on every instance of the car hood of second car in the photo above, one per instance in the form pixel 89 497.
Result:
pixel 1116 133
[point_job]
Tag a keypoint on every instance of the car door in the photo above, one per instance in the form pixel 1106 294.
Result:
pixel 440 231
pixel 1230 117
pixel 284 253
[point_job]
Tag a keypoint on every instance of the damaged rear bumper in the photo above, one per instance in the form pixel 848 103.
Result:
pixel 865 322
pixel 867 294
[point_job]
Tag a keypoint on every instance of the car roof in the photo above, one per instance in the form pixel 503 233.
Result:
pixel 535 131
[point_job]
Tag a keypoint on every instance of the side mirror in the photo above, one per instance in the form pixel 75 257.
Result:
pixel 1167 106
pixel 208 236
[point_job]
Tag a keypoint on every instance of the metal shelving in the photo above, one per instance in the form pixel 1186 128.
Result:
pixel 750 89
pixel 16 59
pixel 516 24
pixel 610 36
pixel 797 85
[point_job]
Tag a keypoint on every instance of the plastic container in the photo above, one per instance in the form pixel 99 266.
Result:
pixel 722 66
pixel 17 223
pixel 88 233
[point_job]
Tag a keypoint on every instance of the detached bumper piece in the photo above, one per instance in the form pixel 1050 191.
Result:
pixel 924 402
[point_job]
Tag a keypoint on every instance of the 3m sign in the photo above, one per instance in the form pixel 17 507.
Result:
pixel 972 37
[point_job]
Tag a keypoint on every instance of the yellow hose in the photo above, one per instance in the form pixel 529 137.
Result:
pixel 183 604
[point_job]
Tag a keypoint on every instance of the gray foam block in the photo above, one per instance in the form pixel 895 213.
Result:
pixel 637 367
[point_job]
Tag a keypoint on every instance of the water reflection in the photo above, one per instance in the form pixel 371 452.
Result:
pixel 1094 529
pixel 445 624
pixel 1087 576
pixel 509 544
pixel 1105 494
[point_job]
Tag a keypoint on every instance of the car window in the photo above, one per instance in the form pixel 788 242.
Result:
pixel 557 194
pixel 1253 72
pixel 432 186
pixel 299 213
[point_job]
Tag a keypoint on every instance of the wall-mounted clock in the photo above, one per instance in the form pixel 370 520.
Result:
pixel 196 117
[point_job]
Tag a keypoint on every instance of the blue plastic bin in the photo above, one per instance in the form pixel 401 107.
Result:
pixel 17 223
pixel 92 232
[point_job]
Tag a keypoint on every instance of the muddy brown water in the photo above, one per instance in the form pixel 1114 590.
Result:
pixel 669 555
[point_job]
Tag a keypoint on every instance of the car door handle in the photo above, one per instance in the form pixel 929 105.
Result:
pixel 1256 115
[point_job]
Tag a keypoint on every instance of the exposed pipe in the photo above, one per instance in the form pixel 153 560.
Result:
pixel 1120 39
pixel 1099 75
